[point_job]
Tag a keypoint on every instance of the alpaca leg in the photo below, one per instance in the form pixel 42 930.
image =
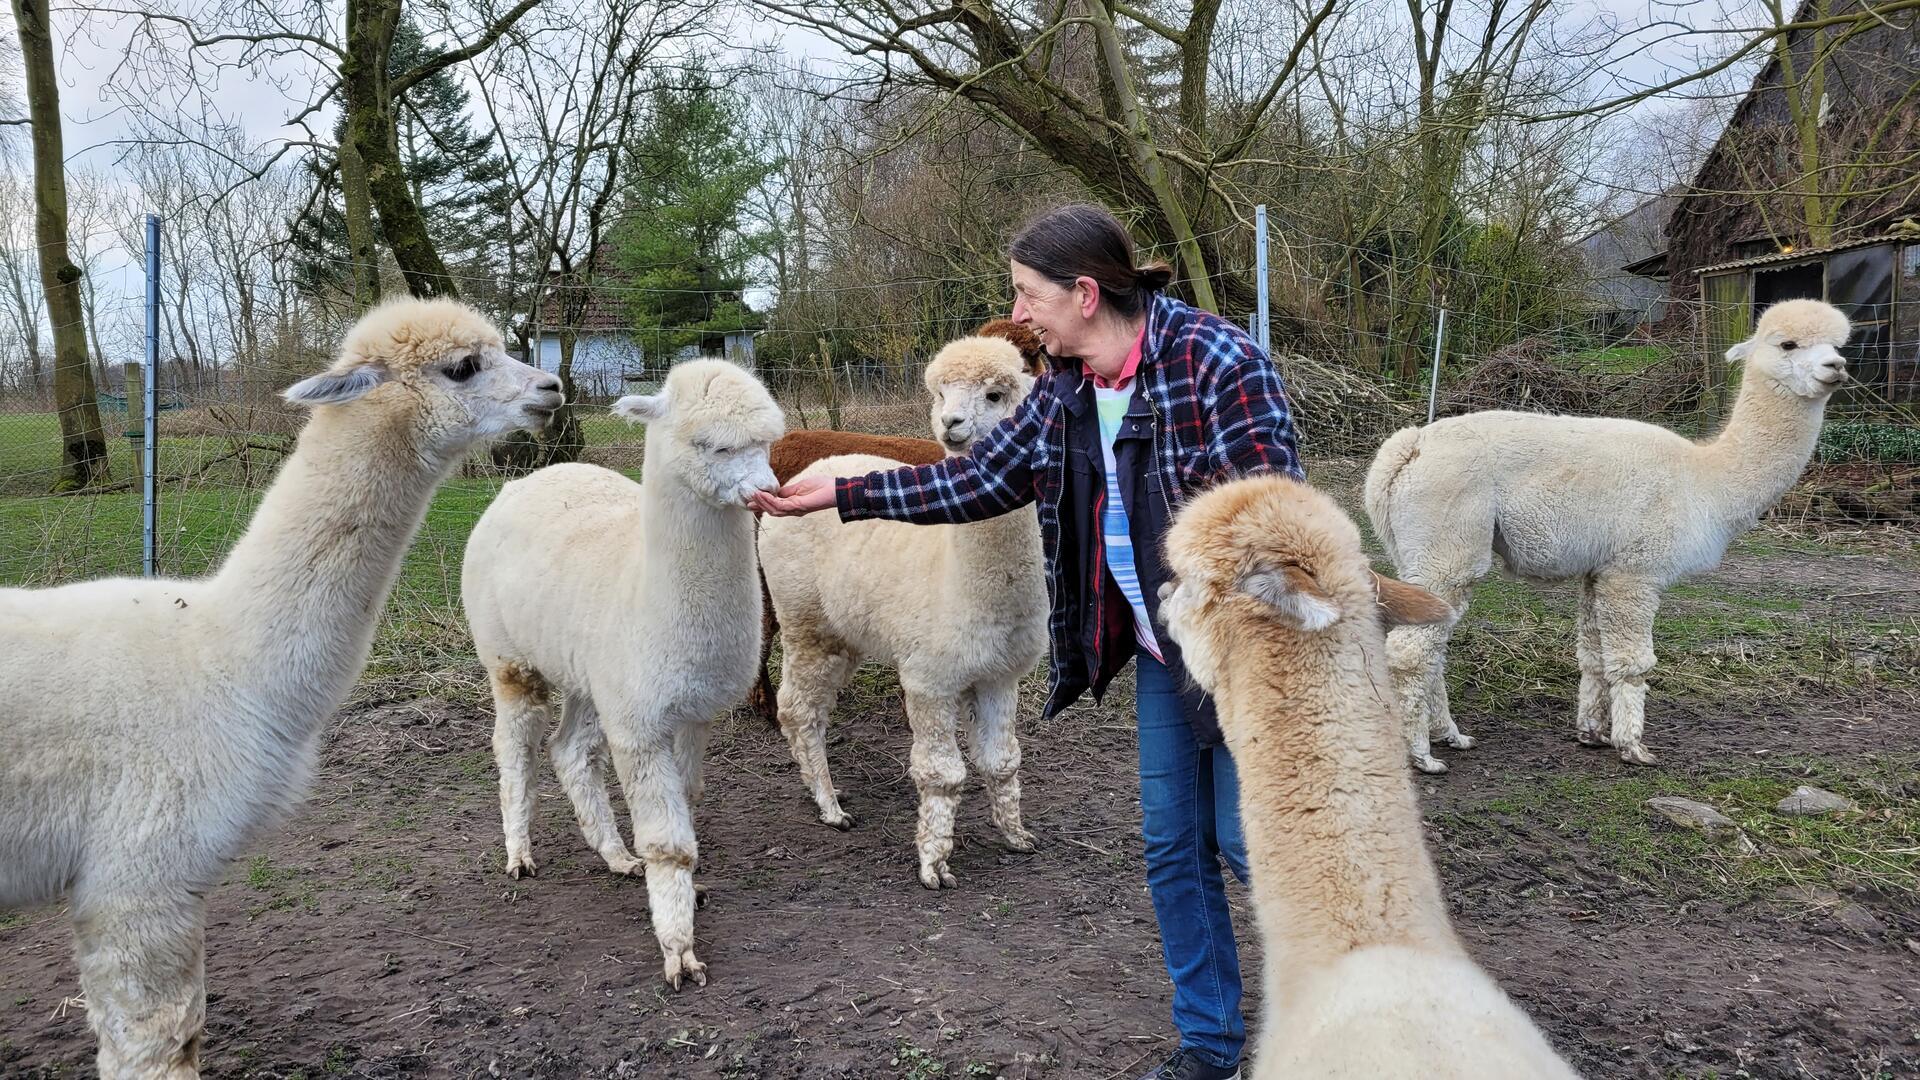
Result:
pixel 761 698
pixel 1593 709
pixel 1416 659
pixel 690 756
pixel 938 771
pixel 142 967
pixel 1625 610
pixel 663 834
pixel 994 744
pixel 579 757
pixel 519 716
pixel 810 679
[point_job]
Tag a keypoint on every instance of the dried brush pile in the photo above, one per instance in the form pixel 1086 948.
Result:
pixel 1535 375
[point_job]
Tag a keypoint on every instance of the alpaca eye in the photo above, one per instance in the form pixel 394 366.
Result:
pixel 1789 346
pixel 467 368
pixel 994 396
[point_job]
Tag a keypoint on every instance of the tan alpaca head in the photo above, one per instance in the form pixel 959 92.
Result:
pixel 975 382
pixel 1258 560
pixel 1797 344
pixel 709 427
pixel 439 366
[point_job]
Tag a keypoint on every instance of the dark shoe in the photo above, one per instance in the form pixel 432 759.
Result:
pixel 1187 1065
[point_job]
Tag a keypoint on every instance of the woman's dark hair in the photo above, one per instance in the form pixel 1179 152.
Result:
pixel 1084 240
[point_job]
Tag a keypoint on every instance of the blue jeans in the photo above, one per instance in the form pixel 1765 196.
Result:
pixel 1190 819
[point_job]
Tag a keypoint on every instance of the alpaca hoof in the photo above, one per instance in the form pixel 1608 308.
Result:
pixel 682 966
pixel 1459 741
pixel 1591 739
pixel 1021 840
pixel 699 896
pixel 520 865
pixel 937 877
pixel 1637 755
pixel 842 823
pixel 1429 764
pixel 626 865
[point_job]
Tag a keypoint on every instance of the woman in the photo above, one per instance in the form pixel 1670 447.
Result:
pixel 1148 400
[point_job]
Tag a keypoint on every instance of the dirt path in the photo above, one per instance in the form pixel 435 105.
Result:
pixel 376 937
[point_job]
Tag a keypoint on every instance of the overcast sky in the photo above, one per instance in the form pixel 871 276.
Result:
pixel 95 123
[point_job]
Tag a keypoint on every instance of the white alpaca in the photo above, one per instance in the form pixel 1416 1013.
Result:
pixel 1626 508
pixel 638 605
pixel 149 730
pixel 1281 620
pixel 960 610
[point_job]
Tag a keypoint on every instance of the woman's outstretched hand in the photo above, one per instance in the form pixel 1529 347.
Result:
pixel 802 496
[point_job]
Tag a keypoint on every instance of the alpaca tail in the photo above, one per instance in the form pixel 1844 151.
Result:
pixel 1394 456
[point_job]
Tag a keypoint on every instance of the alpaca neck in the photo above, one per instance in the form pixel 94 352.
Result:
pixel 1763 449
pixel 675 520
pixel 301 592
pixel 1332 828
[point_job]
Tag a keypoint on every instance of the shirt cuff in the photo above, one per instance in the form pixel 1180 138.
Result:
pixel 850 497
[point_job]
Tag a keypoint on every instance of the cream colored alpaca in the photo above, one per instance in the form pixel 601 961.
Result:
pixel 636 604
pixel 1625 508
pixel 151 729
pixel 960 610
pixel 1281 620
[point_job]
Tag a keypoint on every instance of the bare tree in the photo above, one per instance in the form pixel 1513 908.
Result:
pixel 295 46
pixel 1081 82
pixel 565 95
pixel 83 446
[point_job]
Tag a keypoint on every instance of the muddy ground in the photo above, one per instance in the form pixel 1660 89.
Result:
pixel 376 936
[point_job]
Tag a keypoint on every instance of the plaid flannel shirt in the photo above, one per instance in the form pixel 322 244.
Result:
pixel 1219 411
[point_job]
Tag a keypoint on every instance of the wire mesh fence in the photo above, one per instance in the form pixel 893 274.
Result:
pixel 223 431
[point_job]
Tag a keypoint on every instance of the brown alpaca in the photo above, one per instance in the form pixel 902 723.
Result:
pixel 798 449
pixel 1023 338
pixel 1283 622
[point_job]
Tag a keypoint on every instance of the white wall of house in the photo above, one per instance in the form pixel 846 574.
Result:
pixel 600 361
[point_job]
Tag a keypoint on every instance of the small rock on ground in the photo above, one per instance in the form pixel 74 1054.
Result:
pixel 1812 801
pixel 1859 920
pixel 1689 814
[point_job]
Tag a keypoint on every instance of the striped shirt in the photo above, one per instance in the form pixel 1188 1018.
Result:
pixel 1111 400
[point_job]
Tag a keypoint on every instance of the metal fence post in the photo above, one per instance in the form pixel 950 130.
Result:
pixel 1263 332
pixel 149 464
pixel 1433 389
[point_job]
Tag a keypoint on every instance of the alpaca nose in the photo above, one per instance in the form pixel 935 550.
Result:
pixel 950 421
pixel 547 382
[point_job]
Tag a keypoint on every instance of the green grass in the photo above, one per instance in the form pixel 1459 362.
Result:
pixel 281 888
pixel 30 454
pixel 1877 848
pixel 1621 359
pixel 1517 642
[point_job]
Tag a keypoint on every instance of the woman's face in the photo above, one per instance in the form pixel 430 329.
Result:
pixel 1059 315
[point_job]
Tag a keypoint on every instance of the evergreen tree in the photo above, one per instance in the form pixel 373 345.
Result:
pixel 681 245
pixel 459 182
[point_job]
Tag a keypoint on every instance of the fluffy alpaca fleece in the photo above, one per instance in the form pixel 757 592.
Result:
pixel 1625 508
pixel 798 449
pixel 636 606
pixel 1281 619
pixel 1023 338
pixel 960 610
pixel 150 729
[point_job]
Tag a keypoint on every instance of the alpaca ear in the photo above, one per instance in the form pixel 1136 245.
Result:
pixel 642 408
pixel 331 388
pixel 1740 351
pixel 1296 599
pixel 1402 604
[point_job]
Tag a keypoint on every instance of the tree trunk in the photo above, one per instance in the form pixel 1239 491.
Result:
pixel 362 252
pixel 370 132
pixel 83 445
